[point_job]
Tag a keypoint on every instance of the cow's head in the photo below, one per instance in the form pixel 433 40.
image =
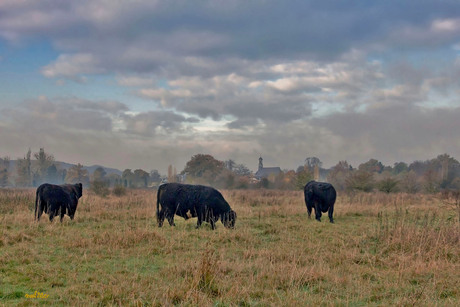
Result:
pixel 75 194
pixel 229 219
pixel 72 205
pixel 78 190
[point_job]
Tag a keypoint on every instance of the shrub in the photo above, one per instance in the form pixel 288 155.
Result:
pixel 119 190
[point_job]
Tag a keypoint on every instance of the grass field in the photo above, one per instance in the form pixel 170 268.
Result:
pixel 383 250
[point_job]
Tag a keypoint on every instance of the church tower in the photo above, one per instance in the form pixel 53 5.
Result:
pixel 261 165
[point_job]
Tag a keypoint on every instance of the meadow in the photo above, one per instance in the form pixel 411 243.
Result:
pixel 384 249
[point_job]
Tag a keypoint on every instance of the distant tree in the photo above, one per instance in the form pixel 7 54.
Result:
pixel 77 174
pixel 3 178
pixel 23 169
pixel 409 182
pixel 5 162
pixel 141 178
pixel 338 174
pixel 225 180
pixel 100 187
pixel 51 174
pixel 241 170
pixel 99 183
pixel 230 164
pixel 114 179
pixel 99 174
pixel 203 168
pixel 418 167
pixel 312 162
pixel 44 161
pixel 155 176
pixel 360 180
pixel 127 178
pixel 400 167
pixel 431 181
pixel 372 166
pixel 289 180
pixel 4 166
pixel 388 185
pixel 302 177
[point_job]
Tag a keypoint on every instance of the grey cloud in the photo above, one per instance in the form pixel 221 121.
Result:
pixel 212 32
pixel 64 114
pixel 148 123
pixel 395 132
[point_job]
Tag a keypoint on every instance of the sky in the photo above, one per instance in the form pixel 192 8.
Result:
pixel 147 84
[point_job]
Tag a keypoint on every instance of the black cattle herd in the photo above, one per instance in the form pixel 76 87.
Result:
pixel 185 200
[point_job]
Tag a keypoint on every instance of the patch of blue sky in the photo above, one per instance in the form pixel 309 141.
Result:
pixel 321 108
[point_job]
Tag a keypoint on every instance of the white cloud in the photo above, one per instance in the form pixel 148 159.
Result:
pixel 446 25
pixel 72 67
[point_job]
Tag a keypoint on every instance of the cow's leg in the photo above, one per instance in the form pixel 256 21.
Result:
pixel 161 217
pixel 330 212
pixel 51 213
pixel 317 212
pixel 213 223
pixel 200 215
pixel 170 217
pixel 62 213
pixel 40 210
pixel 309 208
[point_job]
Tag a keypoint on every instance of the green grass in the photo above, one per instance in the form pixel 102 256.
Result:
pixel 382 250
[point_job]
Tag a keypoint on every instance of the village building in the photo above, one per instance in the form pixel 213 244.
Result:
pixel 265 172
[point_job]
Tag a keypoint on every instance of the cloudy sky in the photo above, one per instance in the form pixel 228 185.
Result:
pixel 144 84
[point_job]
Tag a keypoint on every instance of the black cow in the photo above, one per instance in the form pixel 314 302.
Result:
pixel 321 196
pixel 57 200
pixel 203 202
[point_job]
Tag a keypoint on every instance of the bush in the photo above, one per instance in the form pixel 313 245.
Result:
pixel 100 188
pixel 119 190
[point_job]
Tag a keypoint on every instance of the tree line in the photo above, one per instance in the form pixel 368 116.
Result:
pixel 430 176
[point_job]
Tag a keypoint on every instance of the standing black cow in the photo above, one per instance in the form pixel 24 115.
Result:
pixel 203 202
pixel 57 200
pixel 321 196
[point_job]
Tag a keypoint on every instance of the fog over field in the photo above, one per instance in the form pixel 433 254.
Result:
pixel 147 84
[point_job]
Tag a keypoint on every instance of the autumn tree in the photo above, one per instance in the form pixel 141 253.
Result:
pixel 360 180
pixel 303 176
pixel 44 161
pixel 77 174
pixel 388 185
pixel 23 169
pixel 99 183
pixel 99 174
pixel 155 176
pixel 127 178
pixel 4 166
pixel 241 170
pixel 141 178
pixel 371 166
pixel 400 167
pixel 408 182
pixel 203 168
pixel 338 175
pixel 312 162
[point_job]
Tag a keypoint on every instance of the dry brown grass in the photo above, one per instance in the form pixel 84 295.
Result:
pixel 383 250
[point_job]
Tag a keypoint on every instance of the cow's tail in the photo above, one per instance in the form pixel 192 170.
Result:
pixel 158 202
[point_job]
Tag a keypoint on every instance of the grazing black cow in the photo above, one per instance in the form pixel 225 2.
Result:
pixel 203 202
pixel 321 196
pixel 57 200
